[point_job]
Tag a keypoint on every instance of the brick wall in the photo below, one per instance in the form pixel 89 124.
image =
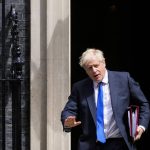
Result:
pixel 22 8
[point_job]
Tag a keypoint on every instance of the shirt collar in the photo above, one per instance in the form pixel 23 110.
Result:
pixel 105 79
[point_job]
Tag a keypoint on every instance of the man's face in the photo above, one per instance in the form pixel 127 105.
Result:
pixel 95 69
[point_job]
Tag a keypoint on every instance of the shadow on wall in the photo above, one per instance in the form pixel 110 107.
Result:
pixel 57 56
pixel 58 46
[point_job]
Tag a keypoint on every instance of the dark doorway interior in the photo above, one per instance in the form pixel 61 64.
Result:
pixel 106 24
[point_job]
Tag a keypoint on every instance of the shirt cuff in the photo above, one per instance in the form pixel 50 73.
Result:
pixel 67 129
pixel 142 127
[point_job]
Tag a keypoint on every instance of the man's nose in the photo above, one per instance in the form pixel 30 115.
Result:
pixel 93 69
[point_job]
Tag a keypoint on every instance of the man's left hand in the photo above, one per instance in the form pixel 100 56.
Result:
pixel 139 133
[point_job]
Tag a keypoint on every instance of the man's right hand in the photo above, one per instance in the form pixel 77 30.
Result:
pixel 71 122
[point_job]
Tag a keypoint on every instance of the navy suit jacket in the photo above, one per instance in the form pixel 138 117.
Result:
pixel 124 91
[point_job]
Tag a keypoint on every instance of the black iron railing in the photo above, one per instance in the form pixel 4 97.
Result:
pixel 11 80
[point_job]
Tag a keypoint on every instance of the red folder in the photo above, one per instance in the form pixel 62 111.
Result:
pixel 133 118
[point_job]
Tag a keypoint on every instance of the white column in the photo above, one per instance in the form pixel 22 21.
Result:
pixel 58 71
pixel 38 77
pixel 50 73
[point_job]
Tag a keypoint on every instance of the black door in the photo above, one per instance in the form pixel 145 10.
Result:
pixel 106 25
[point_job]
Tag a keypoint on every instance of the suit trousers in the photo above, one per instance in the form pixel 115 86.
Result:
pixel 112 144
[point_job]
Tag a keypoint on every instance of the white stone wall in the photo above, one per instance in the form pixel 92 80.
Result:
pixel 50 73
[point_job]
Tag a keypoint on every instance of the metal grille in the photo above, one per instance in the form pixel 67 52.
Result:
pixel 14 79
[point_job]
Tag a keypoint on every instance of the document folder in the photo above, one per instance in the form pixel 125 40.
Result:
pixel 133 117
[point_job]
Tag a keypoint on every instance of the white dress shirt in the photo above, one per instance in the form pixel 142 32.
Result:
pixel 110 128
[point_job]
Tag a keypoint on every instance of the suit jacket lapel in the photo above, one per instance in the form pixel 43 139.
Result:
pixel 91 100
pixel 113 92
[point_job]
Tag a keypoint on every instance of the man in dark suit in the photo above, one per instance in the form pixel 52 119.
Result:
pixel 119 92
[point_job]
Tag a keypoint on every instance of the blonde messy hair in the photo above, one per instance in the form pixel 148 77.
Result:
pixel 89 54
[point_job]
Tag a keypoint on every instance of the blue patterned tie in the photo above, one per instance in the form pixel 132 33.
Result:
pixel 100 119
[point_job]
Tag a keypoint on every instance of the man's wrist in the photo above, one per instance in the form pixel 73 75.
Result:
pixel 67 129
pixel 142 127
